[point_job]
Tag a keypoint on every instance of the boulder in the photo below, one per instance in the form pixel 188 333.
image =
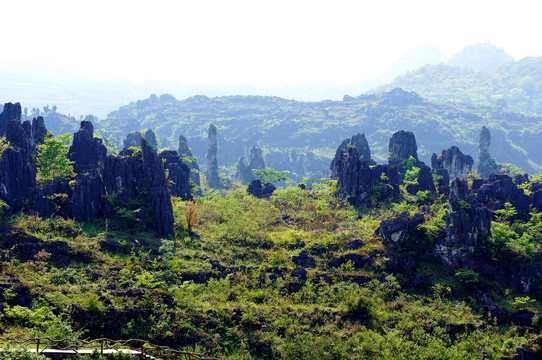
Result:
pixel 304 259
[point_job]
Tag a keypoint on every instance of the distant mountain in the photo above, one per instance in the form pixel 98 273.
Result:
pixel 517 84
pixel 414 59
pixel 481 57
pixel 302 136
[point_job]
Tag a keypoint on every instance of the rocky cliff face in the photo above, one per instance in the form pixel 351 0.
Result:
pixel 178 174
pixel 212 162
pixel 87 152
pixel 498 190
pixel 17 166
pixel 360 143
pixel 140 177
pixel 486 164
pixel 456 164
pixel 357 180
pixel 402 146
pixel 467 225
pixel 132 139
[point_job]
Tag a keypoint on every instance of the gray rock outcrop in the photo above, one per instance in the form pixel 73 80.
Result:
pixel 360 143
pixel 191 161
pixel 212 162
pixel 467 225
pixel 87 152
pixel 178 174
pixel 402 146
pixel 457 164
pixel 486 164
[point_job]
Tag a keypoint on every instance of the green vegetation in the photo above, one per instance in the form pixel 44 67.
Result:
pixel 52 162
pixel 227 282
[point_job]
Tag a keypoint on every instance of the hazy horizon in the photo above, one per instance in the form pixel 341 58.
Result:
pixel 247 45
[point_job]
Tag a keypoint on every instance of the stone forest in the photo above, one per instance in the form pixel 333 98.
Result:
pixel 374 260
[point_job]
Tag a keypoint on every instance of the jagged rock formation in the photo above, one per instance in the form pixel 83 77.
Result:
pixel 51 199
pixel 10 112
pixel 260 190
pixel 190 160
pixel 140 177
pixel 17 166
pixel 132 139
pixel 212 163
pixel 87 152
pixel 401 147
pixel 255 158
pixel 456 164
pixel 244 171
pixel 486 165
pixel 150 138
pixel 360 143
pixel 357 180
pixel 499 190
pixel 178 174
pixel 467 225
pixel 424 181
pixel 88 200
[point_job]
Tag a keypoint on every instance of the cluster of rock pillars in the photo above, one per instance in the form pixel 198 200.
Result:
pixel 105 183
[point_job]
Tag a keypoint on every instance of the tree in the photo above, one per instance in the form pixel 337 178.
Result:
pixel 52 161
pixel 191 215
pixel 270 175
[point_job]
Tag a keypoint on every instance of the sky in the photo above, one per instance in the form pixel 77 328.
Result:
pixel 255 42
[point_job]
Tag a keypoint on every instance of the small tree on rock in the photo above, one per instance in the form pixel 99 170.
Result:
pixel 52 161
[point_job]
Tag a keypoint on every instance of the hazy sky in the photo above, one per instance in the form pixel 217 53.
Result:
pixel 261 42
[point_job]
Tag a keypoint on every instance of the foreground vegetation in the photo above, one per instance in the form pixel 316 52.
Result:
pixel 230 287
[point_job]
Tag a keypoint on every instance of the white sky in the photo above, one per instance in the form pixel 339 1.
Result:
pixel 259 42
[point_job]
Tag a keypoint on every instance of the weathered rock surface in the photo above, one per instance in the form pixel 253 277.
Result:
pixel 190 160
pixel 467 225
pixel 88 197
pixel 87 152
pixel 360 143
pixel 178 174
pixel 457 164
pixel 132 139
pixel 140 177
pixel 304 259
pixel 401 232
pixel 255 158
pixel 486 164
pixel 402 146
pixel 260 190
pixel 501 189
pixel 424 182
pixel 212 161
pixel 357 180
pixel 243 172
pixel 51 199
pixel 10 112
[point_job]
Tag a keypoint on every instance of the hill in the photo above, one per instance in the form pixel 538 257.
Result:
pixel 517 85
pixel 288 129
pixel 481 57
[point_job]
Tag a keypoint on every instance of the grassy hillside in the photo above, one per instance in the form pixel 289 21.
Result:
pixel 235 287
